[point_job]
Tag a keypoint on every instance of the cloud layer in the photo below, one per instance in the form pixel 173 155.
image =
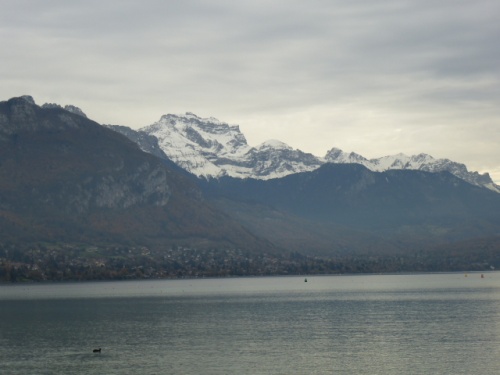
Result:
pixel 376 78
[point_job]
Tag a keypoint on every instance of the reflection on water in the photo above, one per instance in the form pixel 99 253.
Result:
pixel 397 324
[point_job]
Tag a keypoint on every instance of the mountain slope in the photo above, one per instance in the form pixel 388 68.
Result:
pixel 67 179
pixel 403 209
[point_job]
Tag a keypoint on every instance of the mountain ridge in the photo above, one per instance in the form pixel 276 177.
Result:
pixel 218 149
pixel 211 148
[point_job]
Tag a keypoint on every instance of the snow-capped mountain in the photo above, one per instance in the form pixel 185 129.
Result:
pixel 274 159
pixel 422 162
pixel 194 143
pixel 208 147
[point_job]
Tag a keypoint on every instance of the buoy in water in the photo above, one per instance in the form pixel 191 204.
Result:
pixel 305 280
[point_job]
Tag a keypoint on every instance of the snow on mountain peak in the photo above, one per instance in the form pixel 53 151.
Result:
pixel 336 155
pixel 422 162
pixel 274 144
pixel 196 143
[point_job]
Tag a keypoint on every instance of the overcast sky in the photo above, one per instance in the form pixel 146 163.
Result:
pixel 373 77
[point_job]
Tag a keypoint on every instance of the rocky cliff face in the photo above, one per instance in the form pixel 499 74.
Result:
pixel 147 185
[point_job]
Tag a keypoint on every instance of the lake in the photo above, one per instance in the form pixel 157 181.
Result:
pixel 370 324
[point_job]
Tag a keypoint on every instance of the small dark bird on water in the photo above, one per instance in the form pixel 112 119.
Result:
pixel 97 350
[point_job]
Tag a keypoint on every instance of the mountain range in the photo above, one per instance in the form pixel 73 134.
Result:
pixel 189 196
pixel 210 148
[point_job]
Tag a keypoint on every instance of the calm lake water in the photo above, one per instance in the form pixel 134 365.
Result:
pixel 390 324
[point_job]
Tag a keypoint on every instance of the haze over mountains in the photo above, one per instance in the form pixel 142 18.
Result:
pixel 76 195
